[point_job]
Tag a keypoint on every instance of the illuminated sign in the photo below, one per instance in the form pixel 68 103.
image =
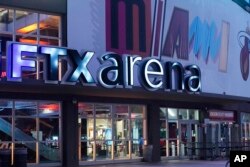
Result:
pixel 115 70
pixel 221 115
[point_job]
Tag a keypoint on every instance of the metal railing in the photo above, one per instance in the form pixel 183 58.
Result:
pixel 201 150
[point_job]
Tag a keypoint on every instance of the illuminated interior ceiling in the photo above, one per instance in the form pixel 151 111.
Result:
pixel 7 15
pixel 49 24
pixel 45 108
pixel 30 28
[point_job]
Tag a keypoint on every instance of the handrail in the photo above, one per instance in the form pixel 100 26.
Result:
pixel 214 150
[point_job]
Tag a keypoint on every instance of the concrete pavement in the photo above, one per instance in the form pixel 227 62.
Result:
pixel 172 163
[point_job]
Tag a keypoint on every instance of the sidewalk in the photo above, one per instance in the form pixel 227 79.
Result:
pixel 172 163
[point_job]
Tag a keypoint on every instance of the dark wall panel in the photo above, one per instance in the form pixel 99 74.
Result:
pixel 154 130
pixel 70 133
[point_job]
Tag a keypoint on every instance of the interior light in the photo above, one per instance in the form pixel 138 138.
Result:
pixel 171 112
pixel 32 41
pixel 47 111
pixel 30 28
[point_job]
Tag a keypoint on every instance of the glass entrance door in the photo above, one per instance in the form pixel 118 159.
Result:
pixel 173 142
pixel 188 138
pixel 178 131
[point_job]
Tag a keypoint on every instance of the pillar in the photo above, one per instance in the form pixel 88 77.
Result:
pixel 69 133
pixel 153 119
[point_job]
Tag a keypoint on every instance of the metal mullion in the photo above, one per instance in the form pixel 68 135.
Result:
pixel 13 134
pixel 60 131
pixel 14 26
pixel 37 133
pixel 112 127
pixel 129 131
pixel 144 125
pixel 94 130
pixel 38 28
pixel 48 37
pixel 38 42
pixel 60 31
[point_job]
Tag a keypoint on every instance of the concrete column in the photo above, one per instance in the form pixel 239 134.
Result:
pixel 69 134
pixel 153 119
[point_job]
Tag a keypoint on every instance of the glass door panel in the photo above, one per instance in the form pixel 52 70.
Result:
pixel 173 142
pixel 163 137
pixel 184 139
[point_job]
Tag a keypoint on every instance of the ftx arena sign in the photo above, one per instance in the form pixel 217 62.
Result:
pixel 114 70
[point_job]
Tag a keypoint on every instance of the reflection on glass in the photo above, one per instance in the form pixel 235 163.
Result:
pixel 6 108
pixel 85 110
pixel 163 147
pixel 183 114
pixel 163 112
pixel 245 117
pixel 103 111
pixel 194 114
pixel 48 41
pixel 106 128
pixel 25 108
pixel 121 127
pixel 25 129
pixel 26 27
pixel 49 152
pixel 27 40
pixel 103 150
pixel 121 149
pixel 172 133
pixel 194 132
pixel 26 132
pixel 136 111
pixel 121 111
pixel 48 109
pixel 5 129
pixel 137 129
pixel 184 133
pixel 49 25
pixel 172 148
pixel 26 23
pixel 6 20
pixel 163 129
pixel 172 113
pixel 49 130
pixel 137 148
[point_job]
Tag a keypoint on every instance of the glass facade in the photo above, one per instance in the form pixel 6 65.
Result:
pixel 111 131
pixel 30 28
pixel 178 128
pixel 34 125
pixel 245 127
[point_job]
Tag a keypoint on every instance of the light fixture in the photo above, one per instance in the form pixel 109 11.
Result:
pixel 32 41
pixel 30 28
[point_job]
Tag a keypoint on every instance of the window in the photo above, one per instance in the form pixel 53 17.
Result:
pixel 30 28
pixel 111 131
pixel 33 125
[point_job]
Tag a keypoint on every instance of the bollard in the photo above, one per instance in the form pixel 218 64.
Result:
pixel 147 153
